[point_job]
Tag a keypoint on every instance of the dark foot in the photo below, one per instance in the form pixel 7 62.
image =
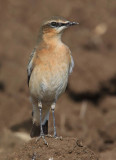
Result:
pixel 43 137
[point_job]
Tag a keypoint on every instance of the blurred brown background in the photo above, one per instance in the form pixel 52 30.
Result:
pixel 88 108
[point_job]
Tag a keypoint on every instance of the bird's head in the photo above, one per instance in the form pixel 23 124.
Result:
pixel 56 25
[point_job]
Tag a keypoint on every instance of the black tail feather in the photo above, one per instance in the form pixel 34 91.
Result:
pixel 35 130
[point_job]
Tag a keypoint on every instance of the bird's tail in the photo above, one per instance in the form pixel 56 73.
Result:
pixel 35 130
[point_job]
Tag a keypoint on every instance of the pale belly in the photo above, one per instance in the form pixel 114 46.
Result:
pixel 48 85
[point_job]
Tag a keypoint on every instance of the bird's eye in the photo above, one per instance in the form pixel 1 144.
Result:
pixel 54 24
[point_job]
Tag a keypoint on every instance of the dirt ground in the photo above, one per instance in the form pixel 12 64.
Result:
pixel 68 148
pixel 87 110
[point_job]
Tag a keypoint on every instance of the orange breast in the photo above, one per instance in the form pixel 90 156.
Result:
pixel 50 74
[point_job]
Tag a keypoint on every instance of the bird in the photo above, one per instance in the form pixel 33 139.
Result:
pixel 49 67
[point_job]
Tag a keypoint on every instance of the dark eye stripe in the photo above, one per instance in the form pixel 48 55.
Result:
pixel 62 24
pixel 56 24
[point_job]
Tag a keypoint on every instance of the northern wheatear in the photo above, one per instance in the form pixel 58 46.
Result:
pixel 48 70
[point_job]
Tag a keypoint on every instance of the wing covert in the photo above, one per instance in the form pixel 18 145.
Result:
pixel 71 64
pixel 30 65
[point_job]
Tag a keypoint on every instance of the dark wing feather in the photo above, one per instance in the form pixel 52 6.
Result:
pixel 28 78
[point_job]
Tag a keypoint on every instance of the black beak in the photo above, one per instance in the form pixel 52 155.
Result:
pixel 71 23
pixel 67 24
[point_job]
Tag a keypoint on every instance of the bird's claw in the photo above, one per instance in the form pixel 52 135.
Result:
pixel 43 137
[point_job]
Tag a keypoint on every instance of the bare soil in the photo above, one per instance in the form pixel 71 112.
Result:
pixel 68 148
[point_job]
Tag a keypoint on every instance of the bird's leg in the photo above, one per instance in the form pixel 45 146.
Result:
pixel 55 134
pixel 41 129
